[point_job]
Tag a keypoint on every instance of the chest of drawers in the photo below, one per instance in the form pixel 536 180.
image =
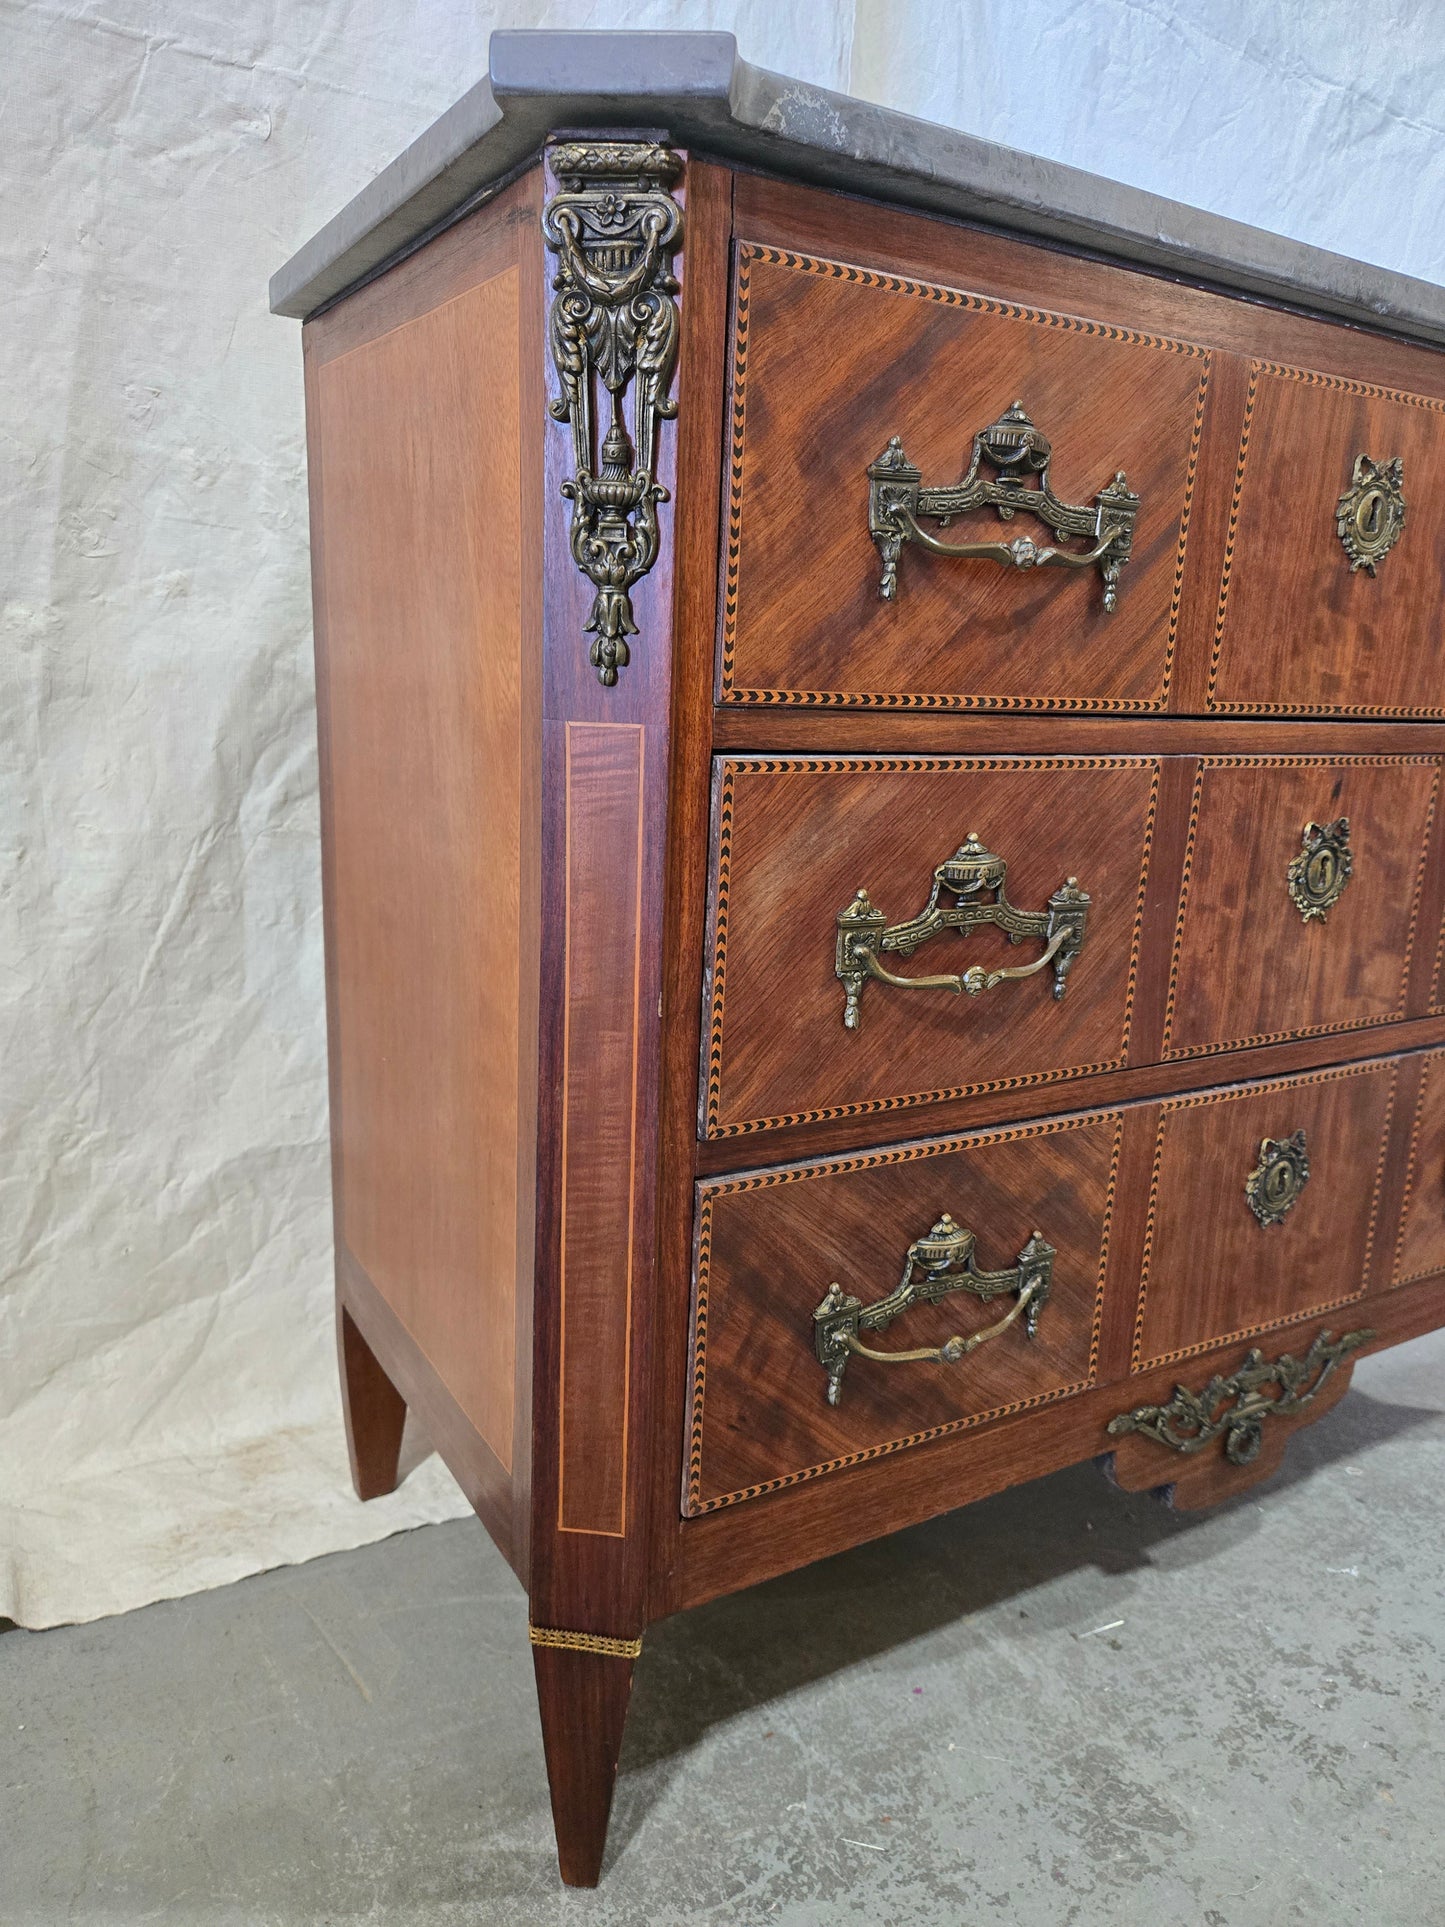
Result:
pixel 881 742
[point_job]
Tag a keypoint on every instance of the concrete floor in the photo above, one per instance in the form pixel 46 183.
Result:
pixel 1065 1707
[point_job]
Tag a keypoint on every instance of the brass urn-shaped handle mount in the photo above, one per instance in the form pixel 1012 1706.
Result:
pixel 1009 473
pixel 937 1265
pixel 975 880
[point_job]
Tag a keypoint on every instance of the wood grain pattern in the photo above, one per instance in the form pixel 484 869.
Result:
pixel 1420 1247
pixel 830 360
pixel 769 1244
pixel 1211 1272
pixel 1352 644
pixel 1285 977
pixel 796 837
pixel 416 392
pixel 605 817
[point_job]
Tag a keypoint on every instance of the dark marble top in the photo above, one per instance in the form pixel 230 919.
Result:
pixel 693 88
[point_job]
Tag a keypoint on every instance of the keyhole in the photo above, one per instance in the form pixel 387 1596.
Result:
pixel 1367 515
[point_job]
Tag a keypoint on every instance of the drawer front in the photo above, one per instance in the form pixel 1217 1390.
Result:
pixel 797 838
pixel 1299 629
pixel 1420 1248
pixel 1249 965
pixel 770 1244
pixel 1262 1207
pixel 831 362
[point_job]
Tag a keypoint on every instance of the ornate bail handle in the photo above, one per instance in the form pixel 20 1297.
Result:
pixel 943 1262
pixel 976 879
pixel 1017 451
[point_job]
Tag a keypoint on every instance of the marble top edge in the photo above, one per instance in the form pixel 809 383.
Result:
pixel 697 87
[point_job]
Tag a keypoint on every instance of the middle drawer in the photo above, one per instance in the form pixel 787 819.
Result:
pixel 890 932
pixel 832 870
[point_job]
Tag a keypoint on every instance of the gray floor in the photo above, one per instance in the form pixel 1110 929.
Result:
pixel 1062 1708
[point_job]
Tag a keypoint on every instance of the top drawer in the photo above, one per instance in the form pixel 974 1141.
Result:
pixel 831 362
pixel 1334 569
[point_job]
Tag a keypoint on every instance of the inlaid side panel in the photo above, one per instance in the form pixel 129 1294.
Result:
pixel 603 910
pixel 431 745
pixel 1248 966
pixel 1213 1270
pixel 1299 631
pixel 771 1242
pixel 1420 1249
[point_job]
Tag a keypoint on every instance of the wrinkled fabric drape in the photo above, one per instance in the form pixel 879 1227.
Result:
pixel 168 1403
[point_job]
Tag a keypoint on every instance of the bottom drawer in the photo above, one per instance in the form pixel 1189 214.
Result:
pixel 771 1243
pixel 826 1294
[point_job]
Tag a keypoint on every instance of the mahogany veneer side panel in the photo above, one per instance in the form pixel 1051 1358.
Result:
pixel 425 627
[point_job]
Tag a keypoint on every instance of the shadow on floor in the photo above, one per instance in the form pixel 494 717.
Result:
pixel 738 1653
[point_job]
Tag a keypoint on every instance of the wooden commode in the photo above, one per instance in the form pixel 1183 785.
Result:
pixel 882 721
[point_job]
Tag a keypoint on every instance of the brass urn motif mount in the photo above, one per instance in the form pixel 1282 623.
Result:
pixel 976 879
pixel 1274 1185
pixel 1235 1407
pixel 1325 864
pixel 1019 455
pixel 614 228
pixel 1370 515
pixel 943 1262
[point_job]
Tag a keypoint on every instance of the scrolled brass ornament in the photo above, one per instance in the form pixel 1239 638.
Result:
pixel 1370 515
pixel 943 1261
pixel 1274 1185
pixel 1235 1407
pixel 614 228
pixel 1325 864
pixel 1019 454
pixel 976 878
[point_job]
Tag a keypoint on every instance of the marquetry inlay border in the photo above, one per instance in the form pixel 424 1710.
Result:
pixel 1372 391
pixel 731 692
pixel 715 987
pixel 1234 1093
pixel 1429 1061
pixel 1168 1053
pixel 693 1504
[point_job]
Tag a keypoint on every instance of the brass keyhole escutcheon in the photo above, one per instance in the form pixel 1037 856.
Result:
pixel 1370 514
pixel 1274 1185
pixel 1325 864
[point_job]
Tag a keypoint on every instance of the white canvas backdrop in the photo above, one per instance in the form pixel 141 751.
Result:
pixel 168 1405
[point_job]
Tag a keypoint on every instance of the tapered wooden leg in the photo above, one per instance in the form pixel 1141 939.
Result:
pixel 375 1412
pixel 583 1700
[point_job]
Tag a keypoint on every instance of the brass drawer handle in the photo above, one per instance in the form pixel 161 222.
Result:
pixel 943 1262
pixel 1015 450
pixel 973 872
